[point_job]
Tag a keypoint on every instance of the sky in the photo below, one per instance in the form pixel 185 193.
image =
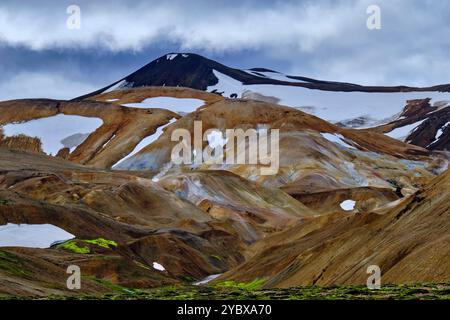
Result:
pixel 41 56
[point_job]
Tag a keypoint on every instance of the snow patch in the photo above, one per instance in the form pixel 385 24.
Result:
pixel 207 279
pixel 402 133
pixel 439 133
pixel 226 85
pixel 158 266
pixel 171 56
pixel 173 104
pixel 337 138
pixel 272 75
pixel 145 142
pixel 118 85
pixel 348 205
pixel 51 130
pixel 32 235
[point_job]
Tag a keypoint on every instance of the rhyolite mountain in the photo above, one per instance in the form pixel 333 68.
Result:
pixel 357 184
pixel 392 110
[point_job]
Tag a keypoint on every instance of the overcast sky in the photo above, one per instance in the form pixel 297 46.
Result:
pixel 326 39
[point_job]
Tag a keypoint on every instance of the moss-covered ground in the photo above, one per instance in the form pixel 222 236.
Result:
pixel 79 245
pixel 250 291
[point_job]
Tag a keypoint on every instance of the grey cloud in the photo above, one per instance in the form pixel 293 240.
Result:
pixel 322 39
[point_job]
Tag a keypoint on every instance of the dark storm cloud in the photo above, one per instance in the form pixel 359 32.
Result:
pixel 322 39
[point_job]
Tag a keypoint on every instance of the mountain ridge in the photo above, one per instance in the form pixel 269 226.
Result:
pixel 195 71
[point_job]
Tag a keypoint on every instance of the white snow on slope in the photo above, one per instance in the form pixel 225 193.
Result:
pixel 31 235
pixel 173 104
pixel 171 56
pixel 119 85
pixel 145 142
pixel 158 266
pixel 227 85
pixel 52 130
pixel 441 130
pixel 272 75
pixel 348 205
pixel 402 133
pixel 439 133
pixel 207 279
pixel 337 138
pixel 329 105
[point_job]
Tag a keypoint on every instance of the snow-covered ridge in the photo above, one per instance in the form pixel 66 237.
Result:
pixel 333 106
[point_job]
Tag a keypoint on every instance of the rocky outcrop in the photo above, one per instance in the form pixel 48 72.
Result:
pixel 309 160
pixel 410 243
pixel 123 128
pixel 21 142
pixel 426 126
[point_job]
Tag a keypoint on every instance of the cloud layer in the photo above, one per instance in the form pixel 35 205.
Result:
pixel 222 26
pixel 324 39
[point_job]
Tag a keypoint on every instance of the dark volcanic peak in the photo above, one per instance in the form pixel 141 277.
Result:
pixel 195 71
pixel 177 70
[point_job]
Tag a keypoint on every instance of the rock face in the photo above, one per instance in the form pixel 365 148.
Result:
pixel 123 128
pixel 21 142
pixel 226 196
pixel 312 156
pixel 422 124
pixel 410 243
pixel 130 210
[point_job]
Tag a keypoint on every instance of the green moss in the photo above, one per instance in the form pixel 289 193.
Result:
pixel 216 257
pixel 253 285
pixel 11 264
pixel 73 245
pixel 240 291
pixel 102 243
pixel 110 285
pixel 187 279
pixel 4 201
